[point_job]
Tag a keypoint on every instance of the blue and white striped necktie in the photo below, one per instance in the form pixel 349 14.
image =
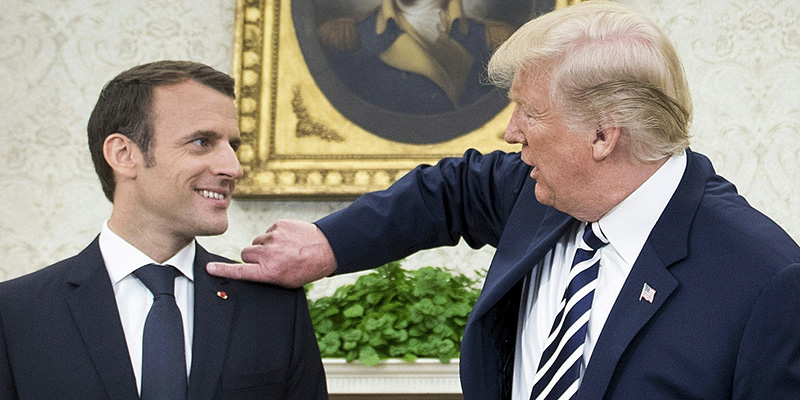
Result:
pixel 559 369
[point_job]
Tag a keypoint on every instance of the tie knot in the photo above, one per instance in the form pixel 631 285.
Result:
pixel 592 240
pixel 159 279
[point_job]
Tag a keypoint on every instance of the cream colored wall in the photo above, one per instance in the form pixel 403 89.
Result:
pixel 742 59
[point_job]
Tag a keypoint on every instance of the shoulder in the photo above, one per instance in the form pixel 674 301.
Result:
pixel 252 290
pixel 507 168
pixel 40 286
pixel 204 256
pixel 496 160
pixel 57 272
pixel 727 221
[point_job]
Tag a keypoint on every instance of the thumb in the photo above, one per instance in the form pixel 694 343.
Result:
pixel 249 272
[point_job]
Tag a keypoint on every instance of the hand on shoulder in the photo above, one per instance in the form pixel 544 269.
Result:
pixel 290 254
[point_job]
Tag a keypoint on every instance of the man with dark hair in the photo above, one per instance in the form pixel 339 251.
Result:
pixel 135 315
pixel 626 268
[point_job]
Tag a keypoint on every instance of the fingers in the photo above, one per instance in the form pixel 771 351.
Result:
pixel 263 254
pixel 273 227
pixel 284 230
pixel 250 272
pixel 262 239
pixel 290 254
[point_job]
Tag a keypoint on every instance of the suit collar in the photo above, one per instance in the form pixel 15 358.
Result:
pixel 94 310
pixel 670 235
pixel 667 244
pixel 630 222
pixel 213 315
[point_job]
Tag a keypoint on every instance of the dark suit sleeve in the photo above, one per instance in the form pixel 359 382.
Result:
pixel 469 197
pixel 768 365
pixel 307 375
pixel 8 389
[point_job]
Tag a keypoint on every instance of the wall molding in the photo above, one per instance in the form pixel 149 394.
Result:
pixel 428 376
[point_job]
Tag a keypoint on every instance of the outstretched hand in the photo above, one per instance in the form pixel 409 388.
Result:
pixel 289 254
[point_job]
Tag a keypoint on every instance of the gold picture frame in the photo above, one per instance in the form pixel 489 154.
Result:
pixel 297 142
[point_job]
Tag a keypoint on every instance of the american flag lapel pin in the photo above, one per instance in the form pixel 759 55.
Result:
pixel 648 293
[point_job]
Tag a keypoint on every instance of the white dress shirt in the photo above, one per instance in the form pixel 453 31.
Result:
pixel 626 227
pixel 133 297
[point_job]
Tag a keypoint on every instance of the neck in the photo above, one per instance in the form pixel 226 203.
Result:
pixel 140 233
pixel 616 182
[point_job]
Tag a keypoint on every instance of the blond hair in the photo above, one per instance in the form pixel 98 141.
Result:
pixel 608 66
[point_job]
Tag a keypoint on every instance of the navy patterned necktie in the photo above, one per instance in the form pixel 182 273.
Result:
pixel 163 350
pixel 558 374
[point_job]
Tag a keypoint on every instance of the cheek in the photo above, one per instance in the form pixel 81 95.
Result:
pixel 538 134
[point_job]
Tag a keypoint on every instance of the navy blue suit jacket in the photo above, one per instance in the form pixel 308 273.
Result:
pixel 725 320
pixel 61 337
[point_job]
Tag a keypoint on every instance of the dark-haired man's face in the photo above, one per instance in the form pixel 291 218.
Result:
pixel 187 189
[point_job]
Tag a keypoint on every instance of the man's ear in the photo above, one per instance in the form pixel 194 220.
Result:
pixel 122 155
pixel 605 141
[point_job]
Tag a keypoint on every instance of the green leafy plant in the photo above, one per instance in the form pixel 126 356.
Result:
pixel 396 313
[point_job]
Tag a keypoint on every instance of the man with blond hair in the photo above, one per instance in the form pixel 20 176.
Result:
pixel 626 268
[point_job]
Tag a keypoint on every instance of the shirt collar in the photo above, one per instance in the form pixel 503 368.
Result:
pixel 122 258
pixel 628 225
pixel 389 11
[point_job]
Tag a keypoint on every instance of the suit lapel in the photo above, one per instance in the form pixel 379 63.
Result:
pixel 520 254
pixel 667 244
pixel 213 318
pixel 94 310
pixel 626 319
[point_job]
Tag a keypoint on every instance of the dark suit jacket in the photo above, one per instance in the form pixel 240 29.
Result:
pixel 725 320
pixel 61 337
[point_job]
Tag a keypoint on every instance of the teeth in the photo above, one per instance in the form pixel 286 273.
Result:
pixel 211 195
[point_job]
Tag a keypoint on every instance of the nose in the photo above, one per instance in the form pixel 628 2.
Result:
pixel 513 134
pixel 228 164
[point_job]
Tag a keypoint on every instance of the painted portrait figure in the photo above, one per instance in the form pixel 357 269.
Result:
pixel 413 56
pixel 409 71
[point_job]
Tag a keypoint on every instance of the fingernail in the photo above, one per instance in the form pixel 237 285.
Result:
pixel 211 267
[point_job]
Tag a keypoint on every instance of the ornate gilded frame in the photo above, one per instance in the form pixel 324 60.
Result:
pixel 295 142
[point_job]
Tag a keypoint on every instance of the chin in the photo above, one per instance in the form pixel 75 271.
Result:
pixel 213 229
pixel 544 197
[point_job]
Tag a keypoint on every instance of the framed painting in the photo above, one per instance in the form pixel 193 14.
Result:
pixel 339 98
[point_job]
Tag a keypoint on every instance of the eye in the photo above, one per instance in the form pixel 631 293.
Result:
pixel 200 142
pixel 524 113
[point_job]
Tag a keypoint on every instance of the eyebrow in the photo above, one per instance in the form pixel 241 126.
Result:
pixel 235 142
pixel 204 133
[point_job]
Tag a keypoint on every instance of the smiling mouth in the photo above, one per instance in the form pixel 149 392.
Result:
pixel 210 194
